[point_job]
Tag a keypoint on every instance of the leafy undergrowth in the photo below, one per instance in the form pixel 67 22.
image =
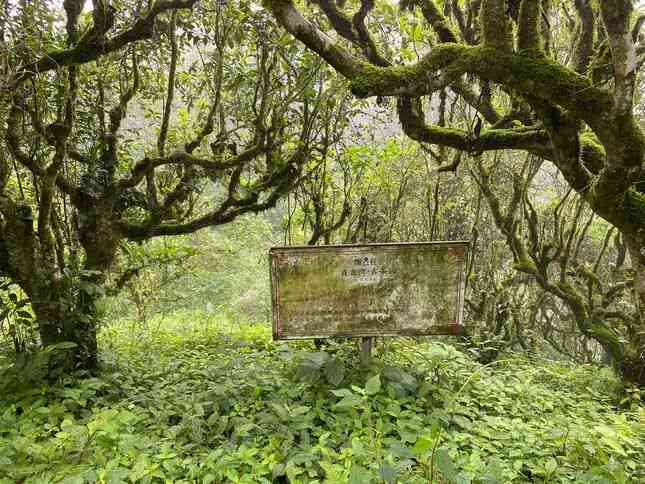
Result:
pixel 205 401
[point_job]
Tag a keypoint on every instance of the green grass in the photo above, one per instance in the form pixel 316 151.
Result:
pixel 204 400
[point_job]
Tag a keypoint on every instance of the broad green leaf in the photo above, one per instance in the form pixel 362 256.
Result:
pixel 335 371
pixel 342 392
pixel 350 401
pixel 373 385
pixel 359 475
pixel 300 410
pixel 388 473
pixel 422 446
pixel 401 451
pixel 333 472
pixel 551 466
pixel 280 411
pixel 446 466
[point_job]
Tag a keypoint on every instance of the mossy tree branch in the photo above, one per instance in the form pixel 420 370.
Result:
pixel 584 46
pixel 541 79
pixel 411 117
pixel 85 51
pixel 497 31
pixel 553 262
pixel 528 26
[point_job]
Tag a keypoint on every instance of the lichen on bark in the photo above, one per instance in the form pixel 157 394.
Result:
pixel 497 30
pixel 528 29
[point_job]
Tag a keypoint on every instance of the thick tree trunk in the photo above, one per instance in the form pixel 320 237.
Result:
pixel 63 321
pixel 632 366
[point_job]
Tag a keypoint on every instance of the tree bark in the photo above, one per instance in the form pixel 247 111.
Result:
pixel 632 365
pixel 79 327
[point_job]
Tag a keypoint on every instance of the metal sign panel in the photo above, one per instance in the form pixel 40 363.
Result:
pixel 409 289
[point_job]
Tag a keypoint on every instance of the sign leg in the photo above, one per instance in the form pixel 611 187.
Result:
pixel 366 350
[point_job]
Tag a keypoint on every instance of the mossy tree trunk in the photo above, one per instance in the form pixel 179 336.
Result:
pixel 633 363
pixel 77 324
pixel 63 292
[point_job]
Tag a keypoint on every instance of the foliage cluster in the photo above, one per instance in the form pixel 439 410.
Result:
pixel 223 269
pixel 545 269
pixel 204 400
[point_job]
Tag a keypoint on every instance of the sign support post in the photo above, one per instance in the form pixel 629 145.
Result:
pixel 366 350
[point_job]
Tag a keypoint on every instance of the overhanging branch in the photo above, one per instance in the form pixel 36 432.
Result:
pixel 534 140
pixel 82 53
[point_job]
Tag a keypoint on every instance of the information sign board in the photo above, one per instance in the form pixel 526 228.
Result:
pixel 398 289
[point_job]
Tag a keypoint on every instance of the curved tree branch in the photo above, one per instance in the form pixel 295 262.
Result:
pixel 82 53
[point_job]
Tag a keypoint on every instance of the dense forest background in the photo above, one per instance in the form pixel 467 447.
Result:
pixel 152 152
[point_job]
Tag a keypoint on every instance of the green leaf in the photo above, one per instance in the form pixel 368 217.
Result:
pixel 316 360
pixel 551 466
pixel 300 410
pixel 335 371
pixel 422 446
pixel 280 411
pixel 73 480
pixel 278 470
pixel 342 392
pixel 117 475
pixel 359 475
pixel 333 472
pixel 446 466
pixel 388 473
pixel 400 377
pixel 312 364
pixel 401 451
pixel 350 401
pixel 373 385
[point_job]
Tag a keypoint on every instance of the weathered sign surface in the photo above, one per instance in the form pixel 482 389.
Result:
pixel 368 290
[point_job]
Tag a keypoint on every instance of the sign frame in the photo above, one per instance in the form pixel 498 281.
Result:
pixel 455 327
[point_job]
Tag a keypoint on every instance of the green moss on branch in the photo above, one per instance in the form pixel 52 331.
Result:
pixel 416 79
pixel 592 152
pixel 528 30
pixel 635 206
pixel 496 25
pixel 528 75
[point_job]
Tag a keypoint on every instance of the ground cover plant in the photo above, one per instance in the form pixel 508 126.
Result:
pixel 204 400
